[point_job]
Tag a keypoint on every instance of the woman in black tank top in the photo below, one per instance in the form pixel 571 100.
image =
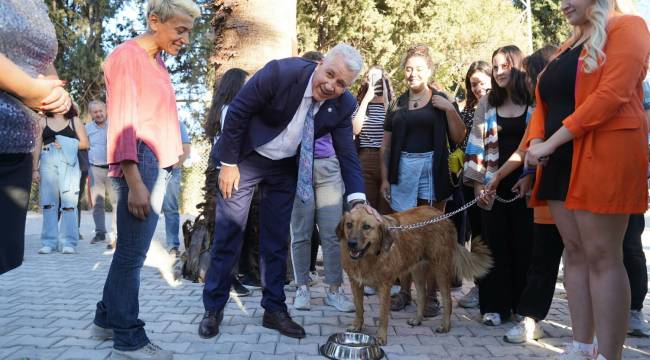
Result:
pixel 59 182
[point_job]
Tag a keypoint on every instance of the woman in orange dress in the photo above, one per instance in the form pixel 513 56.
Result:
pixel 589 134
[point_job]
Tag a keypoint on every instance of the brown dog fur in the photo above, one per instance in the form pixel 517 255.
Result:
pixel 388 254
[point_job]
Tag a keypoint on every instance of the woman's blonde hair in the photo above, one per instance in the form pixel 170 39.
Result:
pixel 167 9
pixel 597 16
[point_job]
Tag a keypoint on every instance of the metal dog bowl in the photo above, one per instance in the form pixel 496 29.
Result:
pixel 352 345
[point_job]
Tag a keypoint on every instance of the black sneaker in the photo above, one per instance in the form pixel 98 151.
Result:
pixel 250 281
pixel 239 289
pixel 98 238
pixel 174 251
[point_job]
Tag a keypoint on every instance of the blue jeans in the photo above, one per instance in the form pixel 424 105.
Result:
pixel 170 208
pixel 58 192
pixel 414 181
pixel 119 307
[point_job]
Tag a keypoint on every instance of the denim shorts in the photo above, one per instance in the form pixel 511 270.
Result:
pixel 414 181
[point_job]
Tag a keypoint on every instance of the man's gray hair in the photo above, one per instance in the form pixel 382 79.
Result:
pixel 167 9
pixel 92 103
pixel 351 56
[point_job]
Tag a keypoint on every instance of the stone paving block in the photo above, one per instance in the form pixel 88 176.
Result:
pixel 179 318
pixel 455 351
pixel 5 353
pixel 250 338
pixel 400 356
pixel 178 327
pixel 258 329
pixel 85 343
pixel 239 356
pixel 232 329
pixel 84 354
pixel 478 341
pixel 308 349
pixel 220 348
pixel 33 322
pixel 499 350
pixel 37 341
pixel 33 353
pixel 72 324
pixel 262 348
pixel 272 338
pixel 262 356
pixel 157 326
pixel 423 349
pixel 311 320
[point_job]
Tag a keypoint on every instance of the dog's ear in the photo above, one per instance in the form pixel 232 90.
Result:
pixel 386 236
pixel 340 233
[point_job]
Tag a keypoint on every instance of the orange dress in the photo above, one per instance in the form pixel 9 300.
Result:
pixel 610 156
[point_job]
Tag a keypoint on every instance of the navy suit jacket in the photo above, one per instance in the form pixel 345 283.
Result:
pixel 267 103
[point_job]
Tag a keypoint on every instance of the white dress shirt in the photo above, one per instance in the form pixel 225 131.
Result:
pixel 286 143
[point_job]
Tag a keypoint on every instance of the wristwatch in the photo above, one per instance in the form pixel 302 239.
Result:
pixel 356 202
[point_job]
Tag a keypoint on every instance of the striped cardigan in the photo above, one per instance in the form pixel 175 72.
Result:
pixel 482 152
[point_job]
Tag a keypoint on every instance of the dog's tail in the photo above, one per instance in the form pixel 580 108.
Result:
pixel 475 264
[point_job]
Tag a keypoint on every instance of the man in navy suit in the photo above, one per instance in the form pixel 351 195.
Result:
pixel 263 135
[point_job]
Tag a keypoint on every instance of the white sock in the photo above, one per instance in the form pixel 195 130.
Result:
pixel 582 347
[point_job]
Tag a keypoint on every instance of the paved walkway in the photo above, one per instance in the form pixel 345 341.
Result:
pixel 47 306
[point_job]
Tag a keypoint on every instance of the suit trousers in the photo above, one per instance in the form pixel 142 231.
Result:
pixel 277 185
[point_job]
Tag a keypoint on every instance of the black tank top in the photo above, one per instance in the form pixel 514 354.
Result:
pixel 49 134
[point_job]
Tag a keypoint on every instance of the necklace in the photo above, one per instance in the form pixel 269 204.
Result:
pixel 415 101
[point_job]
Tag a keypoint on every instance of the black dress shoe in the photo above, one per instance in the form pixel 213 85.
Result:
pixel 209 326
pixel 238 288
pixel 281 321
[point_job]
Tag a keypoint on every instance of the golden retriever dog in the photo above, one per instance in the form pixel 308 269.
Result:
pixel 374 255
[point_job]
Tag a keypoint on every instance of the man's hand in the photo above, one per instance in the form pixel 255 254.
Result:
pixel 36 176
pixel 228 180
pixel 138 201
pixel 479 189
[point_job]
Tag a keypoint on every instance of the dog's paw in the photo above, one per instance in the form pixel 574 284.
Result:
pixel 382 338
pixel 355 326
pixel 414 321
pixel 443 328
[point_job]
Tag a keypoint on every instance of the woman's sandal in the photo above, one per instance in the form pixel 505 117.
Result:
pixel 399 301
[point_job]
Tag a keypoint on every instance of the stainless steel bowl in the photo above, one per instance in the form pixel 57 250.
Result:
pixel 352 345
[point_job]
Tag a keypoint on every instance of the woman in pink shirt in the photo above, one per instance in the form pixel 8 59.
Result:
pixel 144 142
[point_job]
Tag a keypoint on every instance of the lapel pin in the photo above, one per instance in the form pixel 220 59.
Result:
pixel 329 109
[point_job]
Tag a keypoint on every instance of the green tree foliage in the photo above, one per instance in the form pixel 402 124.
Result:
pixel 458 32
pixel 549 25
pixel 81 32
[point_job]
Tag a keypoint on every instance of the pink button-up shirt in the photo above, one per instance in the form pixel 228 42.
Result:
pixel 141 105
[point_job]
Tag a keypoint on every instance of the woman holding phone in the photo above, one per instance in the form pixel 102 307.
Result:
pixel 368 126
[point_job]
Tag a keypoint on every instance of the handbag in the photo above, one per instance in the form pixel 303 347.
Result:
pixel 456 160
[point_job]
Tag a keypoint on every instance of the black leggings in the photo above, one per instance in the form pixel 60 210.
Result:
pixel 634 260
pixel 15 185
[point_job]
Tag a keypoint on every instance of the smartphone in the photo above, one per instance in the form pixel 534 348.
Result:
pixel 376 82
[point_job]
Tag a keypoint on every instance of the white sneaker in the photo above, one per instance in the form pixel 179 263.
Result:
pixel 303 298
pixel 68 250
pixel 100 333
pixel 571 353
pixel 147 352
pixel 637 325
pixel 492 319
pixel 470 300
pixel 339 301
pixel 45 250
pixel 313 278
pixel 367 290
pixel 525 330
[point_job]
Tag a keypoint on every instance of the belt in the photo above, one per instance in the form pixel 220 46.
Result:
pixel 100 166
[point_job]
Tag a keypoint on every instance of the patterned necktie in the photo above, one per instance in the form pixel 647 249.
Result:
pixel 305 188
